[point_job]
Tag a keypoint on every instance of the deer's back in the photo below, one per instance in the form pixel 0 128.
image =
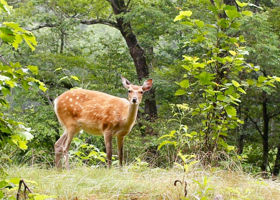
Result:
pixel 92 111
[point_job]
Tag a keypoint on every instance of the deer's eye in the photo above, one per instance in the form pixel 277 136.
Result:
pixel 129 91
pixel 141 92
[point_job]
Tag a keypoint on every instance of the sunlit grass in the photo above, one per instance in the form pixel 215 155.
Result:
pixel 148 183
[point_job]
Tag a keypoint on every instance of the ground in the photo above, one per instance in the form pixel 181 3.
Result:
pixel 134 182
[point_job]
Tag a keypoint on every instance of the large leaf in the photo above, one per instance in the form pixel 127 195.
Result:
pixel 180 92
pixel 231 111
pixel 205 78
pixel 232 12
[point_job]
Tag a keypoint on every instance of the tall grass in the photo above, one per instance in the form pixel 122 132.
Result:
pixel 133 182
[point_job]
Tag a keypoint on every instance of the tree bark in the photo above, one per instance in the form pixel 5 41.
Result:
pixel 265 134
pixel 137 54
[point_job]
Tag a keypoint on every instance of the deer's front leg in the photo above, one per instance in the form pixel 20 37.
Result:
pixel 108 145
pixel 120 148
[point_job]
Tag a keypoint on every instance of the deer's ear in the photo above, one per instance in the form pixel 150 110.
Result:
pixel 147 85
pixel 125 82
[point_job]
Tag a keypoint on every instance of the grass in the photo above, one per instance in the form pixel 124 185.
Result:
pixel 148 183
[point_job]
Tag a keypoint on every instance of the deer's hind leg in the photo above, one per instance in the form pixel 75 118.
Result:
pixel 58 149
pixel 63 144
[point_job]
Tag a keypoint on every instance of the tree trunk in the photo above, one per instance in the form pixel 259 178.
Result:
pixel 137 54
pixel 265 135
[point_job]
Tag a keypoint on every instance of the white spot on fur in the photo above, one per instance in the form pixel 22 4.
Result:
pixel 77 97
pixel 67 97
pixel 70 99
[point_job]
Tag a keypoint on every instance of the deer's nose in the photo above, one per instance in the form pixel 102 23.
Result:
pixel 134 100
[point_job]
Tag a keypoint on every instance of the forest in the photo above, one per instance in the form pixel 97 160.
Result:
pixel 207 128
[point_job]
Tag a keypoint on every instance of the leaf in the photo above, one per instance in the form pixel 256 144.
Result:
pixel 42 87
pixel 166 142
pixel 232 53
pixel 240 4
pixel 7 35
pixel 232 12
pixel 205 78
pixel 182 15
pixel 75 78
pixel 235 83
pixel 180 92
pixel 3 184
pixel 261 79
pixel 22 144
pixel 30 40
pixel 33 69
pixel 58 69
pixel 184 83
pixel 231 111
pixel 199 23
pixel 241 90
pixel 247 13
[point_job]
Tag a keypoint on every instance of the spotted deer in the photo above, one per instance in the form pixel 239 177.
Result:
pixel 97 113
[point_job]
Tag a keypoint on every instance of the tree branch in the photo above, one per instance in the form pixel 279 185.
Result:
pixel 256 125
pixel 100 21
pixel 43 26
pixel 274 115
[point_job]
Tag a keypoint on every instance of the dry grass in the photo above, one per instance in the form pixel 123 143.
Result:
pixel 131 183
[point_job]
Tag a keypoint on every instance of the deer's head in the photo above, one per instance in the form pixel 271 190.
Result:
pixel 135 92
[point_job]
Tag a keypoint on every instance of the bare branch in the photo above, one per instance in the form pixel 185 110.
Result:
pixel 100 21
pixel 43 26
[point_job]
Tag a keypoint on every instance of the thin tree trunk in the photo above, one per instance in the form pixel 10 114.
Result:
pixel 62 36
pixel 137 54
pixel 265 135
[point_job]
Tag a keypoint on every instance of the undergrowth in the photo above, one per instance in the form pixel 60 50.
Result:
pixel 141 182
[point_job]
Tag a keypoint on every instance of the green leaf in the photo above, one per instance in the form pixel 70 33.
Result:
pixel 180 92
pixel 241 90
pixel 22 144
pixel 199 23
pixel 33 69
pixel 75 78
pixel 184 83
pixel 247 13
pixel 182 15
pixel 235 83
pixel 261 79
pixel 7 35
pixel 42 87
pixel 166 142
pixel 231 111
pixel 240 4
pixel 3 184
pixel 232 53
pixel 232 12
pixel 30 40
pixel 205 78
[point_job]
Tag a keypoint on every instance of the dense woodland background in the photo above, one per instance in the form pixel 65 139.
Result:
pixel 215 66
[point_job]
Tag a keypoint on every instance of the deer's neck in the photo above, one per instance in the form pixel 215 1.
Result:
pixel 132 114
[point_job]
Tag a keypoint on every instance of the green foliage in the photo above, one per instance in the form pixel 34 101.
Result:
pixel 87 153
pixel 216 74
pixel 13 76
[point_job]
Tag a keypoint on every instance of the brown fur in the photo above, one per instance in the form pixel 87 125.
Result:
pixel 99 114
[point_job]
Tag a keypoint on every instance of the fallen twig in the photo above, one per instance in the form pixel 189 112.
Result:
pixel 185 186
pixel 21 182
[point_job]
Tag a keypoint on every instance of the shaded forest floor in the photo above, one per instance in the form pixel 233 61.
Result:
pixel 143 183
